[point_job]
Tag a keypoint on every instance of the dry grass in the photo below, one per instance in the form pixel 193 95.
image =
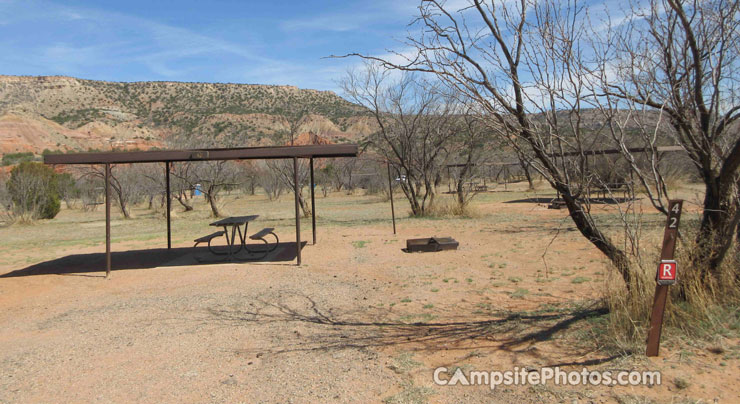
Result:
pixel 697 309
pixel 446 207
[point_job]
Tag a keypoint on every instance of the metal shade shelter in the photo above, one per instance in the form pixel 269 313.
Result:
pixel 241 153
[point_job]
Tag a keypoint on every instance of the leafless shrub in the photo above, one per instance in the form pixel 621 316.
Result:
pixel 92 192
pixel 270 181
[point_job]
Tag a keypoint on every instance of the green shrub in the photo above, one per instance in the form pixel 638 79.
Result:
pixel 34 191
pixel 15 158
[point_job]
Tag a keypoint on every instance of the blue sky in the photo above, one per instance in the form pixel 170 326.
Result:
pixel 259 42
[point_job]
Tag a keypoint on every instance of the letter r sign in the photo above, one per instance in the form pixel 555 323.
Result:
pixel 667 272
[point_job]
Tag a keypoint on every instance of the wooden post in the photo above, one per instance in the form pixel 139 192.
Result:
pixel 169 206
pixel 661 291
pixel 107 221
pixel 390 191
pixel 297 212
pixel 313 204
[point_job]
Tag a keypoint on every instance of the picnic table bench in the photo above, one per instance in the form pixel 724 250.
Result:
pixel 236 223
pixel 208 239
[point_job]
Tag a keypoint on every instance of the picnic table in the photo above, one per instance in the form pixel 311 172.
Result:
pixel 236 223
pixel 611 188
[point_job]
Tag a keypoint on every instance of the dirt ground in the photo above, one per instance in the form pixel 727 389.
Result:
pixel 359 321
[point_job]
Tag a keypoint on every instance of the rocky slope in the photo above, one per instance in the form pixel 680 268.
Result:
pixel 65 113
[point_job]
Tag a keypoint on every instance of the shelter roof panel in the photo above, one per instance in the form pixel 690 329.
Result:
pixel 238 153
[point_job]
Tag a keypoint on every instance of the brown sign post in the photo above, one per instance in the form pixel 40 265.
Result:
pixel 665 276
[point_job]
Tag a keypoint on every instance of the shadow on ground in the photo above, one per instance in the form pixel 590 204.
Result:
pixel 83 264
pixel 313 329
pixel 597 201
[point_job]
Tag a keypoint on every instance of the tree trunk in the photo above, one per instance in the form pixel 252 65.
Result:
pixel 122 204
pixel 429 194
pixel 718 223
pixel 408 191
pixel 597 238
pixel 527 174
pixel 416 208
pixel 460 186
pixel 304 205
pixel 182 198
pixel 212 202
pixel 124 209
pixel 525 167
pixel 460 189
pixel 737 242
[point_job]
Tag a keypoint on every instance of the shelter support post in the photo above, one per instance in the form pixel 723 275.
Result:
pixel 297 212
pixel 313 204
pixel 169 206
pixel 107 220
pixel 390 191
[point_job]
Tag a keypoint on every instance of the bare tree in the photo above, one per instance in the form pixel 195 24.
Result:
pixel 324 179
pixel 332 175
pixel 250 177
pixel 125 183
pixel 416 122
pixel 214 177
pixel 680 61
pixel 91 192
pixel 270 181
pixel 345 168
pixel 154 186
pixel 182 183
pixel 471 150
pixel 284 171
